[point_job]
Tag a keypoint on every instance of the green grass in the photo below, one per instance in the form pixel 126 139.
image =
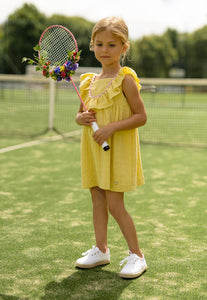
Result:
pixel 46 222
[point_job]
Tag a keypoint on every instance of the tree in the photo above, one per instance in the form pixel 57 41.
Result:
pixel 179 43
pixel 197 63
pixel 1 48
pixel 156 55
pixel 150 56
pixel 21 32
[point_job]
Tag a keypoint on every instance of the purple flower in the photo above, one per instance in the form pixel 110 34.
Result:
pixel 67 79
pixel 59 78
pixel 57 70
pixel 73 67
pixel 67 64
pixel 70 66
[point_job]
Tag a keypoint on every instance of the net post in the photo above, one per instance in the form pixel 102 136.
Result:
pixel 51 105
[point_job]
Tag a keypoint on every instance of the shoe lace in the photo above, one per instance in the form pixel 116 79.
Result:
pixel 89 251
pixel 126 259
pixel 130 258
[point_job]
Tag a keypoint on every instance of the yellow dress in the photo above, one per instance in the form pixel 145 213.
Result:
pixel 118 169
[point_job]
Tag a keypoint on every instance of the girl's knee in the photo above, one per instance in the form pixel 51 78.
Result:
pixel 112 211
pixel 115 203
pixel 116 210
pixel 98 196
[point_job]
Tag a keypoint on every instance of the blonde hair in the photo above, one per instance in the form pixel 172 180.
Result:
pixel 117 26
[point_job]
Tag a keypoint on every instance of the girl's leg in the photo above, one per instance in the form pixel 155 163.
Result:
pixel 118 211
pixel 100 217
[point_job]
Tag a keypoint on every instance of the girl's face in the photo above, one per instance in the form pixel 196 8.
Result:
pixel 108 48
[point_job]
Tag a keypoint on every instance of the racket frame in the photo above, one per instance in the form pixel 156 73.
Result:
pixel 94 126
pixel 58 26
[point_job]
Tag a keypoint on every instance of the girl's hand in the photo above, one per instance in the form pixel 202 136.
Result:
pixel 86 118
pixel 102 134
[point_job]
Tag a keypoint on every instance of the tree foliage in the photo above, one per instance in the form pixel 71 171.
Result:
pixel 1 47
pixel 155 56
pixel 150 56
pixel 197 58
pixel 21 32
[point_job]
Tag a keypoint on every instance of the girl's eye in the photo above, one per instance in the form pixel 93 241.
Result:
pixel 98 44
pixel 112 45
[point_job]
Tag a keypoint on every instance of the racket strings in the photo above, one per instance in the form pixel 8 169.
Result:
pixel 55 44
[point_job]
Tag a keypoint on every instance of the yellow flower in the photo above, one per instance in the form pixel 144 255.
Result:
pixel 62 69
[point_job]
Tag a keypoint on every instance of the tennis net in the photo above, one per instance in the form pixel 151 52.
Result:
pixel 176 108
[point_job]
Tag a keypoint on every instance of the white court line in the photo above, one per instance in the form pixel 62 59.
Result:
pixel 37 142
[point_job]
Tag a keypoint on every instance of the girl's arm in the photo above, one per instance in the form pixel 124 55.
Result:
pixel 85 118
pixel 139 116
pixel 137 119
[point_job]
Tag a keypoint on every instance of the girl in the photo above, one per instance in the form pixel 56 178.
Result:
pixel 113 100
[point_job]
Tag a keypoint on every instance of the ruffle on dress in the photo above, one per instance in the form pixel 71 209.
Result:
pixel 105 99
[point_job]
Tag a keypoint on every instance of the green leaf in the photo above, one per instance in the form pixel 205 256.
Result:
pixel 31 62
pixel 79 53
pixel 38 69
pixel 24 59
pixel 37 47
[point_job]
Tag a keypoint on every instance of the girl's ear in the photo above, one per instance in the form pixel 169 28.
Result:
pixel 125 48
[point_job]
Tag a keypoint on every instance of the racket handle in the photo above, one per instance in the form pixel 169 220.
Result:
pixel 105 145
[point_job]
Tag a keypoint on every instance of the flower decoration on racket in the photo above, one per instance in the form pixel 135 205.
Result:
pixel 57 54
pixel 58 58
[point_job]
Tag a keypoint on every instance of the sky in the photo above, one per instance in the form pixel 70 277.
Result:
pixel 143 17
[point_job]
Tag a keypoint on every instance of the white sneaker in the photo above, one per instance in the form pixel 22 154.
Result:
pixel 134 267
pixel 93 258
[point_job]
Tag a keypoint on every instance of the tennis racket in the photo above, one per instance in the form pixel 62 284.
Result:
pixel 55 42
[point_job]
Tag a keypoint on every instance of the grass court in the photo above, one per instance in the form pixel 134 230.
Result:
pixel 46 223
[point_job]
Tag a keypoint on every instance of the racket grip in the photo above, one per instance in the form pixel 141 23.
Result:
pixel 105 145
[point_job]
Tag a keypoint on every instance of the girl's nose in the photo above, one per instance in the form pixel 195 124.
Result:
pixel 104 48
